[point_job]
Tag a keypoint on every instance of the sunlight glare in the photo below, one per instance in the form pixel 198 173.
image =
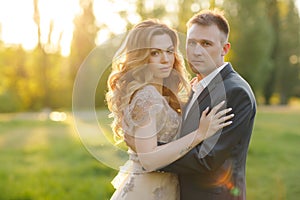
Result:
pixel 62 14
pixel 110 17
pixel 18 27
pixel 17 24
pixel 58 116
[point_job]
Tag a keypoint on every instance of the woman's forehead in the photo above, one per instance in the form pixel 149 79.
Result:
pixel 163 41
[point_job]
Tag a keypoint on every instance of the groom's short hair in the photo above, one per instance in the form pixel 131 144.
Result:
pixel 210 17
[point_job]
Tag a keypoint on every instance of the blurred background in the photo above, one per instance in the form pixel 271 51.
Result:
pixel 43 43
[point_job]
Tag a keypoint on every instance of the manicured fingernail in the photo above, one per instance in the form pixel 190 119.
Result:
pixel 229 109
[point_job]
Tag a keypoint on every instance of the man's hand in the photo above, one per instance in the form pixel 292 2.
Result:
pixel 130 141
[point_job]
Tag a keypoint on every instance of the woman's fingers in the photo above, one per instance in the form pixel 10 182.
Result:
pixel 204 113
pixel 223 121
pixel 215 120
pixel 223 112
pixel 222 125
pixel 216 108
pixel 225 118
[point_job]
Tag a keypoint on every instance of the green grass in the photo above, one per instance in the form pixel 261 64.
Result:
pixel 273 165
pixel 46 160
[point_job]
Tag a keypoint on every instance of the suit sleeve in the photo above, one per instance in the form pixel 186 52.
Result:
pixel 210 156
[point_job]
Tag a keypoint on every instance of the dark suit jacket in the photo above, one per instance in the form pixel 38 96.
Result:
pixel 215 169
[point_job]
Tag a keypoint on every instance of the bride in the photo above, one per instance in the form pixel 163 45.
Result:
pixel 146 90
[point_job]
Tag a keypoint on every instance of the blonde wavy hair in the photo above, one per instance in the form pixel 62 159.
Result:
pixel 130 72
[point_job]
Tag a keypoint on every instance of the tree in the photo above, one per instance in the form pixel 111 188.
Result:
pixel 251 40
pixel 41 60
pixel 45 67
pixel 273 17
pixel 158 10
pixel 84 35
pixel 288 67
pixel 184 14
pixel 12 73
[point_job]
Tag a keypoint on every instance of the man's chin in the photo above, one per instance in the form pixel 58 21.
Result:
pixel 197 70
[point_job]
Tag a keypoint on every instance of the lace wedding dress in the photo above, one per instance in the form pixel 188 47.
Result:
pixel 132 181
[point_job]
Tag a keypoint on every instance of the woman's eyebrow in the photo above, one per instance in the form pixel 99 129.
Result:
pixel 168 48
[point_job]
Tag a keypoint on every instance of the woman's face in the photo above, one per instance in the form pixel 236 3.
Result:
pixel 162 56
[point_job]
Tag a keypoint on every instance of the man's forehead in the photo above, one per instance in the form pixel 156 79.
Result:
pixel 201 32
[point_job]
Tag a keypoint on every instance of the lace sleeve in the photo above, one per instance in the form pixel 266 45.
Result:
pixel 146 105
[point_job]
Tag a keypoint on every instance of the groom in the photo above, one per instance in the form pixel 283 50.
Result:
pixel 215 169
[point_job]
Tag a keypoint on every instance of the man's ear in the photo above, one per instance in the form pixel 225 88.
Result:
pixel 226 48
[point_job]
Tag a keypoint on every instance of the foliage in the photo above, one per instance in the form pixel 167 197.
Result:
pixel 289 44
pixel 251 41
pixel 265 40
pixel 284 19
pixel 84 36
pixel 25 85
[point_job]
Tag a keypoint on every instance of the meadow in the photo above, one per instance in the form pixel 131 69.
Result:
pixel 44 159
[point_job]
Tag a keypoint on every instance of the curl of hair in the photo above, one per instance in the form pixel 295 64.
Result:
pixel 130 72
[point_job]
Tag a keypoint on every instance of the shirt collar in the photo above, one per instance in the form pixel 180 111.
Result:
pixel 203 83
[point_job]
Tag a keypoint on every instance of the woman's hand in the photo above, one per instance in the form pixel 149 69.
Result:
pixel 214 121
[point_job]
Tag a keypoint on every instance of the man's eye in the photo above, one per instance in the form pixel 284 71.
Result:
pixel 205 44
pixel 192 43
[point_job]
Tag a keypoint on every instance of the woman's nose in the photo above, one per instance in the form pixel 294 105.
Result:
pixel 164 56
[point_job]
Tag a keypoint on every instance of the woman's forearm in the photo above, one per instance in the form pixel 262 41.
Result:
pixel 165 154
pixel 153 157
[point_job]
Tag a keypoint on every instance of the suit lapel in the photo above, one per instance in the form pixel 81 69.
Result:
pixel 210 87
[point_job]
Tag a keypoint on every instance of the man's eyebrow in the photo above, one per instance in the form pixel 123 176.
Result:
pixel 200 40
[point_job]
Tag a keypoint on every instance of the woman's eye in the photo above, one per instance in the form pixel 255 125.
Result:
pixel 170 51
pixel 154 53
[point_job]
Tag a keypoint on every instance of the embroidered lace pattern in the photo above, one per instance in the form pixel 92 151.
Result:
pixel 132 181
pixel 146 103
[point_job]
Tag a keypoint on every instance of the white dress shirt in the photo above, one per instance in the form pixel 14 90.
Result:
pixel 198 86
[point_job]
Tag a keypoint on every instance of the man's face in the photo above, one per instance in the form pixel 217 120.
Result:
pixel 205 48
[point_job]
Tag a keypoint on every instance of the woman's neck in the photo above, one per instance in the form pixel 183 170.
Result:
pixel 158 87
pixel 158 84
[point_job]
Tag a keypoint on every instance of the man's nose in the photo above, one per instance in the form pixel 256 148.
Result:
pixel 198 50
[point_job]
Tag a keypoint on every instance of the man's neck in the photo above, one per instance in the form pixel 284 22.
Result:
pixel 201 76
pixel 205 80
